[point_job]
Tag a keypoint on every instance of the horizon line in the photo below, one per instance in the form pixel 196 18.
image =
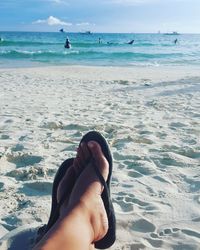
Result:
pixel 95 32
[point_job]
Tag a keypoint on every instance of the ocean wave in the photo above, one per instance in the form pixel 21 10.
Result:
pixel 149 49
pixel 103 57
pixel 28 54
pixel 26 43
pixel 89 52
pixel 7 43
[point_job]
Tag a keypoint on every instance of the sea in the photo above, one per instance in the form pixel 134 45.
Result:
pixel 101 49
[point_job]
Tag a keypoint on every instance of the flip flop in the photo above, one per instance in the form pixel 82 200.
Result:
pixel 110 237
pixel 54 204
pixel 54 207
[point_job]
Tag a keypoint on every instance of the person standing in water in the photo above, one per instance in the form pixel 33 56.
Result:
pixel 67 43
pixel 175 41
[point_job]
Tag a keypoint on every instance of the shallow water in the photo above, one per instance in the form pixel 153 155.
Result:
pixel 147 49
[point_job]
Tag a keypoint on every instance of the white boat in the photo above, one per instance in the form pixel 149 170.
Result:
pixel 87 32
pixel 172 33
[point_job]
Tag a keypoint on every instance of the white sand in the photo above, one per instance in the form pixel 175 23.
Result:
pixel 151 118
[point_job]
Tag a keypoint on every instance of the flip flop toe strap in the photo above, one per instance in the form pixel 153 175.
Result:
pixel 106 193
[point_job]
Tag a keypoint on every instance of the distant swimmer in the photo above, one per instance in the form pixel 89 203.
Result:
pixel 100 40
pixel 67 44
pixel 131 42
pixel 175 41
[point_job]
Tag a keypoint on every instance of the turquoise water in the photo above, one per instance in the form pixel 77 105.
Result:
pixel 29 48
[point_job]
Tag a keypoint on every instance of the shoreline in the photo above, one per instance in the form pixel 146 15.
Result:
pixel 166 73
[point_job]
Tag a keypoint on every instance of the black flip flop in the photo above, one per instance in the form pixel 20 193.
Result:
pixel 54 204
pixel 110 237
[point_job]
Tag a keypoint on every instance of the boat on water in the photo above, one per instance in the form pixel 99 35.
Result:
pixel 87 32
pixel 172 33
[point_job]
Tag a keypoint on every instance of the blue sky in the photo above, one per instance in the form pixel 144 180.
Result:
pixel 101 15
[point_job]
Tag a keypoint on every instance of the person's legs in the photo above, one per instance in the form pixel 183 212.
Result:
pixel 83 219
pixel 64 181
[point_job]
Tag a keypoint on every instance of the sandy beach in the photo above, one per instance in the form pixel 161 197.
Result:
pixel 151 119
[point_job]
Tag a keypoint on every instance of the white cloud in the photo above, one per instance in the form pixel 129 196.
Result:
pixel 138 2
pixel 56 1
pixel 52 21
pixel 63 2
pixel 131 2
pixel 85 24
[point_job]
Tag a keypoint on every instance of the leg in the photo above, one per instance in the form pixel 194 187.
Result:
pixel 83 220
pixel 63 184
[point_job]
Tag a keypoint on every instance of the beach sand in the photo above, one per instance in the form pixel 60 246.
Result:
pixel 151 119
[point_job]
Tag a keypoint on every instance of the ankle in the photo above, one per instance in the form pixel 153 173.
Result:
pixel 65 232
pixel 92 218
pixel 95 218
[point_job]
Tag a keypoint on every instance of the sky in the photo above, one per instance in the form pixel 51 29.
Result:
pixel 137 16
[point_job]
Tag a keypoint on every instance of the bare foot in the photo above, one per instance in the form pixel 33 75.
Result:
pixel 83 219
pixel 87 191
